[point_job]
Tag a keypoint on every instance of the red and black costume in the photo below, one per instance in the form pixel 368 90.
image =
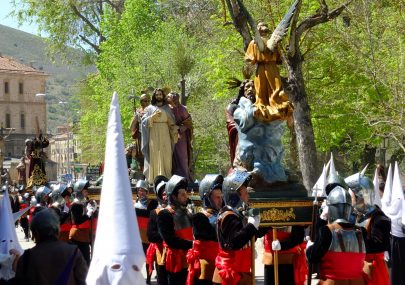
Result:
pixel 81 230
pixel 340 250
pixel 201 258
pixel 378 230
pixel 292 265
pixel 234 260
pixel 174 225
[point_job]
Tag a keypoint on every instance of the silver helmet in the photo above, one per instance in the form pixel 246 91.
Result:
pixel 231 185
pixel 159 186
pixel 340 206
pixel 80 185
pixel 142 184
pixel 363 189
pixel 334 179
pixel 209 183
pixel 41 193
pixel 175 182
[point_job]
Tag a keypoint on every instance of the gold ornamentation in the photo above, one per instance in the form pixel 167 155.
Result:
pixel 280 204
pixel 38 178
pixel 278 215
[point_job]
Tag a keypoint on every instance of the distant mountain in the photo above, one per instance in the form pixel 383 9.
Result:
pixel 64 77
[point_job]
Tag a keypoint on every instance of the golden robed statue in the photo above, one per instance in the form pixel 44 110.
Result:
pixel 271 101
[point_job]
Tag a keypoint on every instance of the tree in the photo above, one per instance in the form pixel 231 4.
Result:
pixel 72 23
pixel 295 86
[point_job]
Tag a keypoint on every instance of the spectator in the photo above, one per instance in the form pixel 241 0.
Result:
pixel 50 261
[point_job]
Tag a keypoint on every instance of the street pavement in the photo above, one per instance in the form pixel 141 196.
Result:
pixel 259 269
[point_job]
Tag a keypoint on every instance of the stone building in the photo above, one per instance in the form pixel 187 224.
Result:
pixel 64 150
pixel 21 110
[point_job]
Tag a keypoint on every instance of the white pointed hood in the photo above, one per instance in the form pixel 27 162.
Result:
pixel 8 235
pixel 377 197
pixel 118 255
pixel 332 168
pixel 397 190
pixel 386 198
pixel 319 187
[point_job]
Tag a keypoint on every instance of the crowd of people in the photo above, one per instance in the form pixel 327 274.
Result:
pixel 214 244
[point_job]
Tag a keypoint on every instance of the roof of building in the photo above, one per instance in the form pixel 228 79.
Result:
pixel 10 65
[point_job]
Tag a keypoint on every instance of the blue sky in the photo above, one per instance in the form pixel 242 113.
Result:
pixel 5 8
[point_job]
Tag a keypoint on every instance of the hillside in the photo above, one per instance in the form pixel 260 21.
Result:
pixel 64 77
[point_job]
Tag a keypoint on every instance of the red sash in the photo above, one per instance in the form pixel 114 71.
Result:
pixel 84 225
pixel 142 222
pixel 175 258
pixel 379 272
pixel 342 265
pixel 151 253
pixel 231 262
pixel 207 250
pixel 65 227
pixel 299 261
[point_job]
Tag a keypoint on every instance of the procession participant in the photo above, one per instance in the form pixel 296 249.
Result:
pixel 143 207
pixel 50 261
pixel 201 258
pixel 24 218
pixel 339 246
pixel 60 197
pixel 235 229
pixel 392 203
pixel 174 224
pixel 81 213
pixel 183 148
pixel 42 196
pixel 290 247
pixel 155 250
pixel 159 135
pixel 377 227
pixel 136 130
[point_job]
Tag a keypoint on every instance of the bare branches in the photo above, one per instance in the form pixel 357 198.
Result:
pixel 84 19
pixel 321 17
pixel 93 45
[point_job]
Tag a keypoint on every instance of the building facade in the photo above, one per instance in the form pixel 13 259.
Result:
pixel 64 150
pixel 22 112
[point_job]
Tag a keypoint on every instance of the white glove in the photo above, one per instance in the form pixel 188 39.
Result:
pixel 90 210
pixel 276 245
pixel 254 221
pixel 309 243
pixel 324 215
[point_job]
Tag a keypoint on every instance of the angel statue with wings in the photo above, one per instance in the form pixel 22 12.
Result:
pixel 271 101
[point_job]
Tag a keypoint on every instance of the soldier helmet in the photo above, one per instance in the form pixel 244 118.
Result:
pixel 209 183
pixel 160 187
pixel 175 183
pixel 363 189
pixel 340 206
pixel 334 179
pixel 58 189
pixel 231 185
pixel 41 193
pixel 142 184
pixel 80 185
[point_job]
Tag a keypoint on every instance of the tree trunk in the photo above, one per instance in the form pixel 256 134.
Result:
pixel 302 121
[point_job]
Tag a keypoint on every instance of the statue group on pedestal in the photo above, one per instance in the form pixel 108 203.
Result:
pixel 255 119
pixel 163 133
